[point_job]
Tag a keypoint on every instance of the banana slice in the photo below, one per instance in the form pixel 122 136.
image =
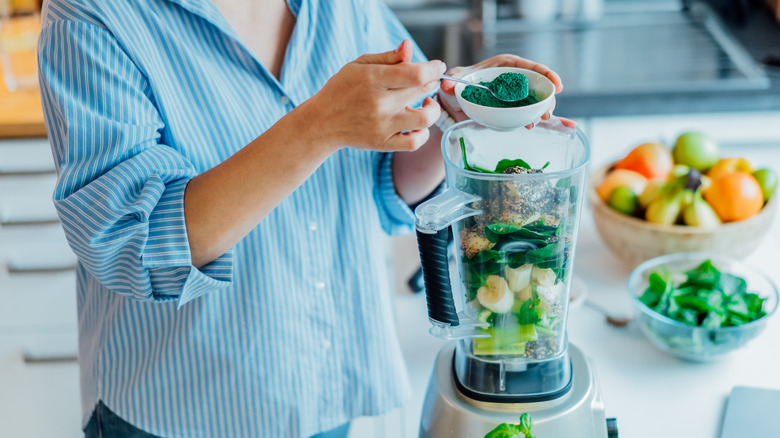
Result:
pixel 518 278
pixel 526 293
pixel 496 295
pixel 543 276
pixel 550 298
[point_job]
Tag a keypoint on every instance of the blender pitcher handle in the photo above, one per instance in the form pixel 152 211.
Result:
pixel 433 219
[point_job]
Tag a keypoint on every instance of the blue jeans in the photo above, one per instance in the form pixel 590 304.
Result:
pixel 106 424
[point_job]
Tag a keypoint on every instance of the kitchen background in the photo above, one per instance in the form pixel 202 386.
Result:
pixel 633 71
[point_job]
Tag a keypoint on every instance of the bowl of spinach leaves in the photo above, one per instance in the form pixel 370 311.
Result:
pixel 701 306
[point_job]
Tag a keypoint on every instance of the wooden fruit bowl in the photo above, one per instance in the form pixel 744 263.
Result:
pixel 635 240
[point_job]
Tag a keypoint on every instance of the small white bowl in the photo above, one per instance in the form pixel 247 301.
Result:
pixel 508 118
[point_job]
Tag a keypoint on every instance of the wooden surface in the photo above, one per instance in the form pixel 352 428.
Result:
pixel 21 114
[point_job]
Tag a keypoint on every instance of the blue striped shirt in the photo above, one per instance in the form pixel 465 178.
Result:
pixel 288 334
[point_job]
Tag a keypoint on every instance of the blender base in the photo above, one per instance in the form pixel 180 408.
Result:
pixel 448 413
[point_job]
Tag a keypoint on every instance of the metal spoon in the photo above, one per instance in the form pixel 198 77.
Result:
pixel 615 321
pixel 463 81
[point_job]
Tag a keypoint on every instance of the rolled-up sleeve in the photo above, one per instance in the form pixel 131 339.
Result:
pixel 120 191
pixel 395 215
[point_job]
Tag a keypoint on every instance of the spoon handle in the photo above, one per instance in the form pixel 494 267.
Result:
pixel 462 81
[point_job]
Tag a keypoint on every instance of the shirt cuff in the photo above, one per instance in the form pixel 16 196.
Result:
pixel 397 217
pixel 167 253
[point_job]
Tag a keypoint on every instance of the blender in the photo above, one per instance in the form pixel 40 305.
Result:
pixel 513 202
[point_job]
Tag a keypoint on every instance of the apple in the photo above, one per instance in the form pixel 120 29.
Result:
pixel 621 177
pixel 652 160
pixel 767 179
pixel 623 200
pixel 696 150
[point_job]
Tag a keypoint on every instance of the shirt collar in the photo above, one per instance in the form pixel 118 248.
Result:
pixel 206 10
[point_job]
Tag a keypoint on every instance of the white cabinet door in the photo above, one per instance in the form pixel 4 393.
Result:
pixel 27 199
pixel 39 387
pixel 25 156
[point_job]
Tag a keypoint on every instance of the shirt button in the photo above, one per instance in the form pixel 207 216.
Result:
pixel 326 344
pixel 312 226
pixel 320 285
pixel 284 100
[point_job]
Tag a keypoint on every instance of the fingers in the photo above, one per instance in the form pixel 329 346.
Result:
pixel 568 122
pixel 448 87
pixel 405 51
pixel 410 74
pixel 402 53
pixel 564 121
pixel 405 96
pixel 413 119
pixel 408 141
pixel 505 60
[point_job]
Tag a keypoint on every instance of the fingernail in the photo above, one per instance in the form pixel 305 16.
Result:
pixel 443 67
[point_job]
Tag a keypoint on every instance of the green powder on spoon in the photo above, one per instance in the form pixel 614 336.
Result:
pixel 510 87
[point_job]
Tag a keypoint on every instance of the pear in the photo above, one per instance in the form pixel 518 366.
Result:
pixel 699 213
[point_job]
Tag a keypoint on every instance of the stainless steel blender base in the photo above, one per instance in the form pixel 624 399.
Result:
pixel 449 414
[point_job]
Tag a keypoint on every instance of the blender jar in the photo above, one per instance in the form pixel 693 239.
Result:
pixel 513 202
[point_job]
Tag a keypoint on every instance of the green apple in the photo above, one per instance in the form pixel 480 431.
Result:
pixel 767 179
pixel 624 200
pixel 696 150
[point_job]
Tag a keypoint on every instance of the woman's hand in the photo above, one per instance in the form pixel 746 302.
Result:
pixel 447 93
pixel 365 105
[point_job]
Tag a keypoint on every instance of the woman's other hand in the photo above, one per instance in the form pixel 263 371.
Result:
pixel 366 104
pixel 448 87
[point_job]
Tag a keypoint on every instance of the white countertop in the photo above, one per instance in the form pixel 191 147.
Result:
pixel 650 392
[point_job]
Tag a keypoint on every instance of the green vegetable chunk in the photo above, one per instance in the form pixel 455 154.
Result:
pixel 505 430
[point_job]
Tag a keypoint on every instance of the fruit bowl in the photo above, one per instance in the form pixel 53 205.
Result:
pixel 635 240
pixel 695 342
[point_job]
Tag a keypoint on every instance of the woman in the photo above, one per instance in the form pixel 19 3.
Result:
pixel 223 170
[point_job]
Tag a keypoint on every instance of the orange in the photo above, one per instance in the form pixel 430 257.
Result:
pixel 621 178
pixel 735 196
pixel 729 165
pixel 651 160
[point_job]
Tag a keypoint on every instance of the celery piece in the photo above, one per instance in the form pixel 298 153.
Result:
pixel 505 341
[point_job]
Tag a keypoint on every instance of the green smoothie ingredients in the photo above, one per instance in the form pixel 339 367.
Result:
pixel 511 88
pixel 516 258
pixel 506 430
pixel 501 167
pixel 703 296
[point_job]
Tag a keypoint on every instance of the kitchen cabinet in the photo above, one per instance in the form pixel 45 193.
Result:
pixel 39 382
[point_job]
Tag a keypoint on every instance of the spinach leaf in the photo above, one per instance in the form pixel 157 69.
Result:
pixel 500 167
pixel 526 313
pixel 505 164
pixel 705 297
pixel 505 430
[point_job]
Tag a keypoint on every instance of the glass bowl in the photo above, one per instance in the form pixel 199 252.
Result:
pixel 697 343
